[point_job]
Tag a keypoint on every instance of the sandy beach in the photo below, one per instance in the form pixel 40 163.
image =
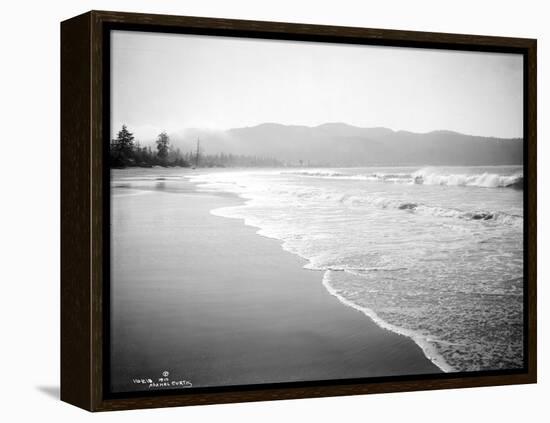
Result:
pixel 211 302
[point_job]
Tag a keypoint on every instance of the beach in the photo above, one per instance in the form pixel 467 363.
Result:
pixel 209 301
pixel 432 253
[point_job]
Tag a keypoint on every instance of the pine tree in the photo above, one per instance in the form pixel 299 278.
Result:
pixel 163 145
pixel 122 148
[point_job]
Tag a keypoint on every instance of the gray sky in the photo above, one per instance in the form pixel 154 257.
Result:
pixel 171 82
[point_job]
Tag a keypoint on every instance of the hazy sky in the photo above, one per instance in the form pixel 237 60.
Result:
pixel 171 82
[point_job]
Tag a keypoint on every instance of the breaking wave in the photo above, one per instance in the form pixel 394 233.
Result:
pixel 431 176
pixel 425 176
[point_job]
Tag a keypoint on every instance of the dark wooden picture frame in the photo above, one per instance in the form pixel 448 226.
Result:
pixel 84 222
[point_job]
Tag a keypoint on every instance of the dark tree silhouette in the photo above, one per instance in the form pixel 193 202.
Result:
pixel 125 152
pixel 163 146
pixel 122 148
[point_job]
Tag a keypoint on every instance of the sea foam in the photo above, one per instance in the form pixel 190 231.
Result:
pixel 433 176
pixel 427 175
pixel 429 350
pixel 428 262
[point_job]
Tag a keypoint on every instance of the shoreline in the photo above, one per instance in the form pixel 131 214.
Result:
pixel 207 299
pixel 429 350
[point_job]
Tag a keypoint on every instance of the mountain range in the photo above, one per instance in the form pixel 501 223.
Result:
pixel 340 144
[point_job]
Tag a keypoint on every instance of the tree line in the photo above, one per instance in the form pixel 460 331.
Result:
pixel 125 151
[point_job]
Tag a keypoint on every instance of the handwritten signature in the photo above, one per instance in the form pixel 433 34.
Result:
pixel 162 382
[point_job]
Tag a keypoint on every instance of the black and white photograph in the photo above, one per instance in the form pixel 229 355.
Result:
pixel 293 211
pixel 277 211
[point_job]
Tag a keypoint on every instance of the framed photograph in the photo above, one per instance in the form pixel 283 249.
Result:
pixel 259 210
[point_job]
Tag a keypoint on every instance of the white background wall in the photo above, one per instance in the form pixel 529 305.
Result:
pixel 29 210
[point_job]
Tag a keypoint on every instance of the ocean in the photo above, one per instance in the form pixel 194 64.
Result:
pixel 432 253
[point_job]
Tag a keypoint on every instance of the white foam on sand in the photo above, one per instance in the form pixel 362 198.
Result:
pixel 337 228
pixel 428 349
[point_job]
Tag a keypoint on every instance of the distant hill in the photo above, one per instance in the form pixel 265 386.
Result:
pixel 339 144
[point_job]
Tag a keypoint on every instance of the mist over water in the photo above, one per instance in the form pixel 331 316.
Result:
pixel 433 253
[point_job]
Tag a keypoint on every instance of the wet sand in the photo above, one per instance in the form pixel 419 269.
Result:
pixel 213 303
